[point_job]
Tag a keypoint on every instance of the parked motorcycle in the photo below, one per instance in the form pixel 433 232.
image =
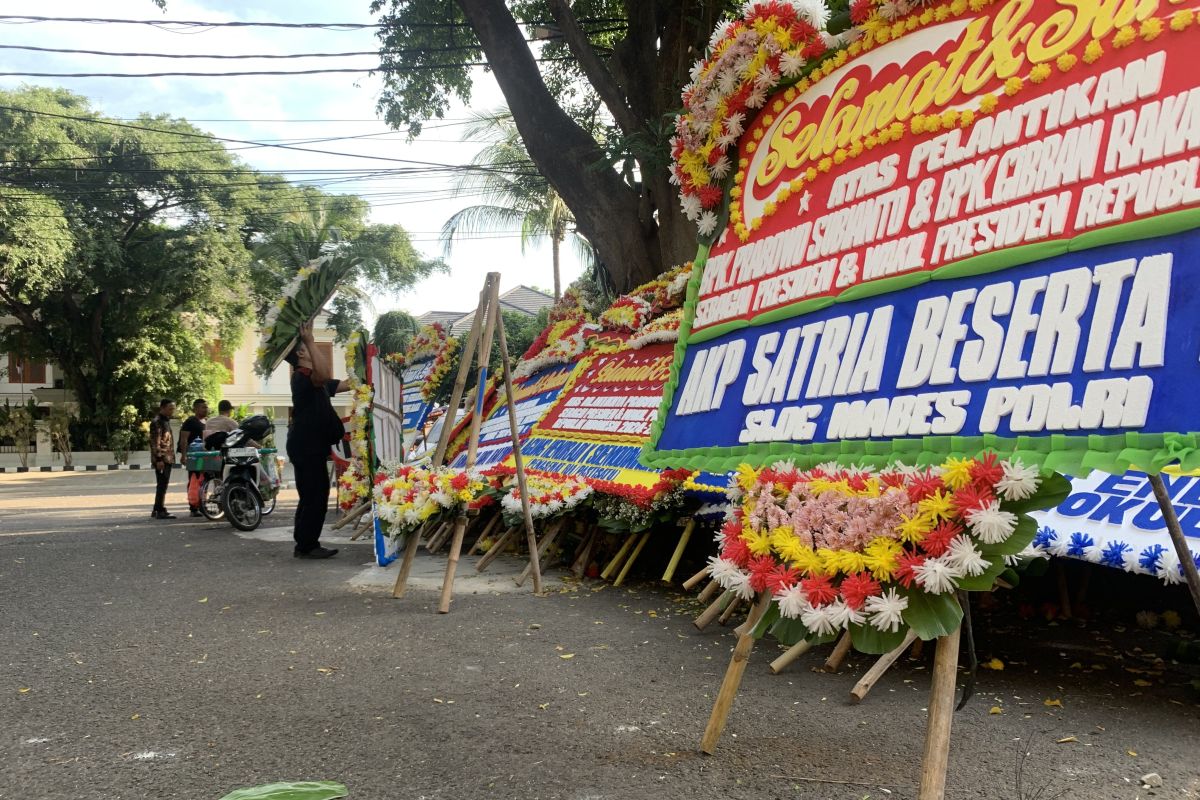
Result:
pixel 242 480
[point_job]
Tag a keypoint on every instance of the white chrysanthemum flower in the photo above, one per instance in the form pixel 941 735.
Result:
pixel 893 9
pixel 756 98
pixel 722 570
pixel 742 66
pixel 1168 568
pixel 843 616
pixel 766 78
pixel 674 176
pixel 963 556
pixel 792 601
pixel 735 122
pixel 815 12
pixel 791 63
pixel 991 525
pixel 936 576
pixel 707 224
pixel 728 82
pixel 720 168
pixel 690 204
pixel 1019 481
pixel 726 140
pixel 740 586
pixel 748 7
pixel 695 71
pixel 887 610
pixel 784 465
pixel 720 32
pixel 818 620
pixel 1028 554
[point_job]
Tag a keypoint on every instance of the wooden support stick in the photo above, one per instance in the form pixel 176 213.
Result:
pixel 487 530
pixel 351 515
pixel 495 549
pixel 795 651
pixel 367 524
pixel 410 555
pixel 585 552
pixel 941 714
pixel 1176 531
pixel 918 649
pixel 618 558
pixel 732 607
pixel 713 611
pixel 694 581
pixel 834 662
pixel 514 430
pixel 637 551
pixel 434 539
pixel 541 549
pixel 865 684
pixel 732 680
pixel 460 529
pixel 679 548
pixel 709 592
pixel 460 384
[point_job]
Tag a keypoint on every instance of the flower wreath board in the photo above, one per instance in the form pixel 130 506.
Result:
pixel 534 394
pixel 954 233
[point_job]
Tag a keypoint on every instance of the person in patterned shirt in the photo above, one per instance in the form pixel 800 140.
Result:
pixel 162 455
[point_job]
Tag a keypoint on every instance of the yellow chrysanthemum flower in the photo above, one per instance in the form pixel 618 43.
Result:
pixel 746 476
pixel 917 124
pixel 966 118
pixel 1181 20
pixel 783 194
pixel 839 156
pixel 957 472
pixel 987 103
pixel 939 505
pixel 805 559
pixel 1066 62
pixel 882 557
pixel 1013 85
pixel 1093 52
pixel 1124 37
pixel 856 149
pixel 914 529
pixel 958 7
pixel 1151 28
pixel 871 141
pixel 825 164
pixel 1039 73
pixel 810 174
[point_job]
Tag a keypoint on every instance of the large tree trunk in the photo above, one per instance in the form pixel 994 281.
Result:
pixel 606 209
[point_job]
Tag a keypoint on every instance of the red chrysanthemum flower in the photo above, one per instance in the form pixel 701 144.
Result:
pixel 986 471
pixel 938 539
pixel 761 568
pixel 387 492
pixel 860 11
pixel 460 481
pixel 782 577
pixel 907 563
pixel 971 497
pixel 735 550
pixel 857 588
pixel 895 479
pixel 922 485
pixel 857 482
pixel 814 49
pixel 711 195
pixel 819 590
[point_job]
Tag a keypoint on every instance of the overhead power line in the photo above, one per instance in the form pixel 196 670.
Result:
pixel 345 26
pixel 242 74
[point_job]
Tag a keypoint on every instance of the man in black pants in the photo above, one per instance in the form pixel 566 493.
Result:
pixel 162 456
pixel 314 428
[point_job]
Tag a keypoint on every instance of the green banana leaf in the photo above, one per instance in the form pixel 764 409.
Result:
pixel 932 615
pixel 328 274
pixel 871 640
pixel 302 790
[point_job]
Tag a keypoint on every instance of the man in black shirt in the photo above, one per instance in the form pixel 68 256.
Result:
pixel 314 428
pixel 191 430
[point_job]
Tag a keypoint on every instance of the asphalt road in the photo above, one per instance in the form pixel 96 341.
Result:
pixel 178 660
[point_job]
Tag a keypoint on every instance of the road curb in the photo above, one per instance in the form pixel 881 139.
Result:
pixel 80 468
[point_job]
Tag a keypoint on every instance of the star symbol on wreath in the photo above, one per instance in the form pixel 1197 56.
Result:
pixel 804 201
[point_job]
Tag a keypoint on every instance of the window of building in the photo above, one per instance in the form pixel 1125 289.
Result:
pixel 217 353
pixel 25 370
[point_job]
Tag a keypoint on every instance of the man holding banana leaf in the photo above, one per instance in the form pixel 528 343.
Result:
pixel 314 428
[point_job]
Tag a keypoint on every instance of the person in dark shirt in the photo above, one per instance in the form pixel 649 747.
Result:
pixel 314 428
pixel 162 456
pixel 192 430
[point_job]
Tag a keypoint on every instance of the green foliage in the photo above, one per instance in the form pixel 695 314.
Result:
pixel 393 331
pixel 302 790
pixel 60 421
pixel 17 425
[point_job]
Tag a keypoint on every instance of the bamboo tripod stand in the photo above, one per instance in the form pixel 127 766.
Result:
pixel 488 323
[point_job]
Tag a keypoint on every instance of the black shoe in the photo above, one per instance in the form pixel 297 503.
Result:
pixel 165 515
pixel 316 552
pixel 196 512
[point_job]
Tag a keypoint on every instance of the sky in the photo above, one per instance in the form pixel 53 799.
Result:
pixel 263 108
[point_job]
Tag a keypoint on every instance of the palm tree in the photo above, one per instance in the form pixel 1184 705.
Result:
pixel 514 194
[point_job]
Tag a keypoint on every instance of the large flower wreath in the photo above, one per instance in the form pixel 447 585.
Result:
pixel 623 508
pixel 549 497
pixel 408 496
pixel 876 552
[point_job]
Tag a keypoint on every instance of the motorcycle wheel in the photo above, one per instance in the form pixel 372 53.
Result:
pixel 210 499
pixel 243 506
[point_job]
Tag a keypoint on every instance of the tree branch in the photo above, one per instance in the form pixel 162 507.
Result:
pixel 597 73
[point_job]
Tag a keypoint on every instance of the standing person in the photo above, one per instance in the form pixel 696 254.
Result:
pixel 315 427
pixel 162 455
pixel 223 422
pixel 193 430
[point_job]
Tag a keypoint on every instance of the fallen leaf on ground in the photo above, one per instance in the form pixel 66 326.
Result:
pixel 1132 753
pixel 543 706
pixel 23 690
pixel 202 600
pixel 438 700
pixel 565 656
pixel 996 710
pixel 1142 682
pixel 1066 739
pixel 136 716
pixel 326 670
pixel 1052 703
pixel 995 664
